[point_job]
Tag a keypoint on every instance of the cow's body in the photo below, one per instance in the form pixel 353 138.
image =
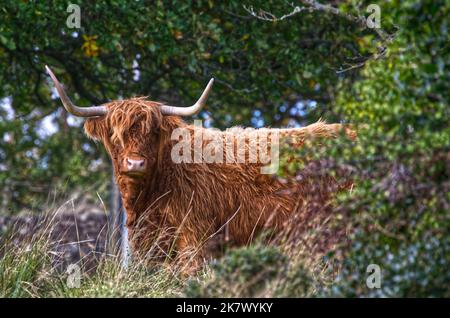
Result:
pixel 181 206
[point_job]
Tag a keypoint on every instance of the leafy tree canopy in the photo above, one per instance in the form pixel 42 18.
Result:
pixel 166 50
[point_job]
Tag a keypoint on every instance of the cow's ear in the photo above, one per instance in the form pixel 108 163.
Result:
pixel 95 128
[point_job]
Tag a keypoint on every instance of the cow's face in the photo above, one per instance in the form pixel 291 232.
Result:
pixel 130 132
pixel 129 129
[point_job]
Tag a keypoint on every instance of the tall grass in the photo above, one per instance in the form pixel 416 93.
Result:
pixel 29 270
pixel 31 266
pixel 291 266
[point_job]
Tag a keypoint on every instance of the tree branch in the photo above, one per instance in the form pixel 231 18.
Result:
pixel 311 6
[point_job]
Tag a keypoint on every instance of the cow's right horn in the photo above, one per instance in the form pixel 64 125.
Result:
pixel 191 110
pixel 92 111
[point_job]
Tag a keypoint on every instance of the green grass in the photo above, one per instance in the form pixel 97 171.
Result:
pixel 27 270
pixel 282 269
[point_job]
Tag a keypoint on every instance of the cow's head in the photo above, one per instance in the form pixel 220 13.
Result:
pixel 129 129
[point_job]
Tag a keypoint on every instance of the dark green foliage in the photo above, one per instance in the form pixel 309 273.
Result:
pixel 407 270
pixel 254 271
pixel 243 272
pixel 261 68
pixel 399 208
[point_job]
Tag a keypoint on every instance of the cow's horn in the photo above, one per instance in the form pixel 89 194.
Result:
pixel 191 110
pixel 70 107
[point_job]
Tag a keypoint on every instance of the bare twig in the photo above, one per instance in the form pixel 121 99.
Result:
pixel 311 6
pixel 381 53
pixel 267 16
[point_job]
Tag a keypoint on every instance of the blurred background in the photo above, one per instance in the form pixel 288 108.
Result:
pixel 274 65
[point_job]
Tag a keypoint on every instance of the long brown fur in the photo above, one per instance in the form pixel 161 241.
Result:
pixel 178 208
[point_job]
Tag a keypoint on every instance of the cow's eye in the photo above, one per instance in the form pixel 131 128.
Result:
pixel 134 129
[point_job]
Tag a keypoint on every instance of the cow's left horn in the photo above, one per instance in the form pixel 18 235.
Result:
pixel 71 107
pixel 191 110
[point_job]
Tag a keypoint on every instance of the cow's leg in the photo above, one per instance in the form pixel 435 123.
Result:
pixel 190 253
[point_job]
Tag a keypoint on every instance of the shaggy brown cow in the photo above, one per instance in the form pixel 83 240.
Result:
pixel 175 208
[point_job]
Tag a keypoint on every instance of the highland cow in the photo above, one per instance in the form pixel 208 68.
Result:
pixel 175 209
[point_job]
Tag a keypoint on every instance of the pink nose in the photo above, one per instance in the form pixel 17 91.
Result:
pixel 134 165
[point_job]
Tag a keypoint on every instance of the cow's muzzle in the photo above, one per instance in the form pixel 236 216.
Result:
pixel 134 167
